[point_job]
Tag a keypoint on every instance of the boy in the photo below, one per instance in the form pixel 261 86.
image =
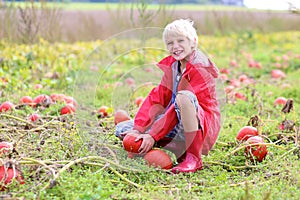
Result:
pixel 182 113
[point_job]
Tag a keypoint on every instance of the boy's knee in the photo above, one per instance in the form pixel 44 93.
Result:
pixel 183 98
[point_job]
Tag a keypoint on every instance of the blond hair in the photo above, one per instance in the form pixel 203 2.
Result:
pixel 181 27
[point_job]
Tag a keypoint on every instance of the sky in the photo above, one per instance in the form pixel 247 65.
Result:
pixel 271 4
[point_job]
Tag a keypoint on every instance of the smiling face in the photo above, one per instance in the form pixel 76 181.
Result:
pixel 180 47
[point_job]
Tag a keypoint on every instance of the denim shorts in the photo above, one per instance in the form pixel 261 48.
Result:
pixel 176 133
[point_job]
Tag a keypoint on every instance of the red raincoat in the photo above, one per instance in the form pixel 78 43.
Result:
pixel 199 78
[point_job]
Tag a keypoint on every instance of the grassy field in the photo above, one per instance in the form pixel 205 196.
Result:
pixel 88 55
pixel 76 156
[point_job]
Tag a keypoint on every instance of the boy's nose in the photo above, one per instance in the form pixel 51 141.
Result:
pixel 175 45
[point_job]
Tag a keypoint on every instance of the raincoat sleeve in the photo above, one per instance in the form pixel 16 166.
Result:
pixel 154 104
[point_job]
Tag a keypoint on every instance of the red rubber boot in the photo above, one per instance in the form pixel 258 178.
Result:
pixel 192 162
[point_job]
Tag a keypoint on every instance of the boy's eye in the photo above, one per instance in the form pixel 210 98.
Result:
pixel 169 43
pixel 181 40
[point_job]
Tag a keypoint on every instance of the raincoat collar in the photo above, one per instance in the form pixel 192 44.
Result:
pixel 197 60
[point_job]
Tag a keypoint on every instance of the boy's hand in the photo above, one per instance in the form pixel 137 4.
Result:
pixel 134 133
pixel 147 143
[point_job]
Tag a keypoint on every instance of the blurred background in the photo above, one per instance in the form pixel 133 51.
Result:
pixel 86 20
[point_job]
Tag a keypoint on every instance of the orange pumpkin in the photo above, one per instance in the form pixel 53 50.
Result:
pixel 130 144
pixel 158 159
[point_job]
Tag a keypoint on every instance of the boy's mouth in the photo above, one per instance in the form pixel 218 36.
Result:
pixel 177 53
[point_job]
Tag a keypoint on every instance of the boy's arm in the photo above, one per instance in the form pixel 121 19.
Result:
pixel 154 104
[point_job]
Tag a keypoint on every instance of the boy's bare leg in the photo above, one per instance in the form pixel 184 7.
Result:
pixel 188 113
pixel 193 136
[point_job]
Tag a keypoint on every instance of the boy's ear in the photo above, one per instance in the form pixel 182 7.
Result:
pixel 194 43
